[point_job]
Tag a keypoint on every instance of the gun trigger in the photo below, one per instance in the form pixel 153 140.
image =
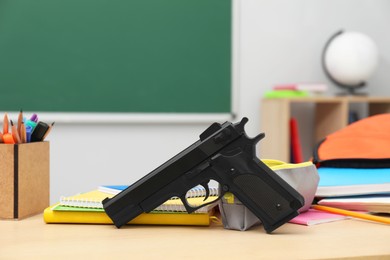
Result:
pixel 206 187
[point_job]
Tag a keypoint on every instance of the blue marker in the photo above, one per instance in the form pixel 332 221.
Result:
pixel 33 121
pixel 29 131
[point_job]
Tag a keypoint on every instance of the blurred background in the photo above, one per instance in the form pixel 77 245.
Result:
pixel 274 41
pixel 278 41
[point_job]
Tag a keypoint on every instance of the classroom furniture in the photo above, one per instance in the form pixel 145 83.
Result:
pixel 330 115
pixel 116 56
pixel 33 239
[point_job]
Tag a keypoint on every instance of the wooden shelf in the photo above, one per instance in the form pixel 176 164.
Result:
pixel 329 115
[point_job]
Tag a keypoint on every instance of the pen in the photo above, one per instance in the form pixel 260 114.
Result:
pixel 352 214
pixel 5 124
pixel 15 133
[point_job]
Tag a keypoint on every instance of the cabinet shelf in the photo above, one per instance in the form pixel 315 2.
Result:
pixel 329 115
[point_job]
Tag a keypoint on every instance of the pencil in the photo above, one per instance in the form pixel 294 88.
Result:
pixel 23 133
pixel 20 120
pixel 15 133
pixel 352 214
pixel 5 124
pixel 48 131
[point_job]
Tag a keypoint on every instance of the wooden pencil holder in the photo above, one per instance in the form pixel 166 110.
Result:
pixel 24 179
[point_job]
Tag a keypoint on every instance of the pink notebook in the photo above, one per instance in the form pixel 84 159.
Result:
pixel 314 217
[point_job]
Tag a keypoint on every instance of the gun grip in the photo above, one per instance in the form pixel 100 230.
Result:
pixel 272 206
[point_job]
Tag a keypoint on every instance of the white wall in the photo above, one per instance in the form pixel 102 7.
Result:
pixel 278 41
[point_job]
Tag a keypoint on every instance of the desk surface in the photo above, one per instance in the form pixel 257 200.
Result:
pixel 31 238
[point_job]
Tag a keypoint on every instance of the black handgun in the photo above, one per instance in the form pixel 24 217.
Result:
pixel 223 153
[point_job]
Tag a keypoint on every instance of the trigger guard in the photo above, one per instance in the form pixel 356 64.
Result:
pixel 186 205
pixel 191 209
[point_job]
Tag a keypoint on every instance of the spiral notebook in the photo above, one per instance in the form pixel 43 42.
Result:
pixel 86 208
pixel 93 200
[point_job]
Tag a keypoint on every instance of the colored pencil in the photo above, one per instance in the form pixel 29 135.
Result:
pixel 352 214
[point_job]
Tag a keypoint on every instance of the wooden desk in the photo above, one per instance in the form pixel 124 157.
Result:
pixel 33 239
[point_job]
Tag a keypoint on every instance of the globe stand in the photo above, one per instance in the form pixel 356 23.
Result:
pixel 352 92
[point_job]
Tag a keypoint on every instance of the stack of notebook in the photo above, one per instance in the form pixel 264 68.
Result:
pixel 354 166
pixel 87 208
pixel 355 189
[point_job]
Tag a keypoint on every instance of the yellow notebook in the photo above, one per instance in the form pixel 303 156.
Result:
pixel 93 217
pixel 87 208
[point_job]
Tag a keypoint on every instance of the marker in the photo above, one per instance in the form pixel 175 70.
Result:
pixel 29 131
pixel 39 131
pixel 34 118
pixel 15 133
pixel 31 123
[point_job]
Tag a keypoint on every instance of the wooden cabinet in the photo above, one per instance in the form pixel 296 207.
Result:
pixel 321 116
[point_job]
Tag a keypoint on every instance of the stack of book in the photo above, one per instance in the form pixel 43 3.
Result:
pixel 297 90
pixel 355 189
pixel 87 208
pixel 354 166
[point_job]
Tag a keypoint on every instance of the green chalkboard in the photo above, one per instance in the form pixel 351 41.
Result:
pixel 153 56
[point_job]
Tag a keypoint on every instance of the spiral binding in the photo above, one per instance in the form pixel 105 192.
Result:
pixel 200 191
pixel 196 192
pixel 82 203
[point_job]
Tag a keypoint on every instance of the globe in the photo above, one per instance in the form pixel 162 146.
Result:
pixel 349 59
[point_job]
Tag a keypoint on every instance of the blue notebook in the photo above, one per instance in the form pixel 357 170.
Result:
pixel 352 181
pixel 112 189
pixel 352 176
